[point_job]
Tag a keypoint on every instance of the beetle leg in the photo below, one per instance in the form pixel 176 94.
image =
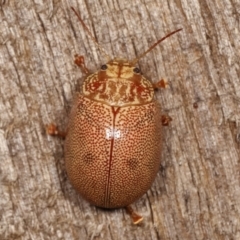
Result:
pixel 79 60
pixel 52 130
pixel 160 84
pixel 135 217
pixel 166 120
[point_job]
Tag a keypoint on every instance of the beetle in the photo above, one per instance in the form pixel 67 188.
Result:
pixel 113 141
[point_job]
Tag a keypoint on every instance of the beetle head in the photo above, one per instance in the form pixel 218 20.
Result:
pixel 119 82
pixel 121 68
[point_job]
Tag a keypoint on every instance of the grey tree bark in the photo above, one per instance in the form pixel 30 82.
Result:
pixel 196 194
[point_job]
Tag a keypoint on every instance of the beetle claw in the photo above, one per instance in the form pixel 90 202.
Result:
pixel 163 83
pixel 166 120
pixel 135 217
pixel 52 130
pixel 79 60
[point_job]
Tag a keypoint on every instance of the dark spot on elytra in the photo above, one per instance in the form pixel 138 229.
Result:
pixel 132 163
pixel 88 158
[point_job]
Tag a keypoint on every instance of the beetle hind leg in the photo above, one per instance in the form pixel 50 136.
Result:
pixel 52 130
pixel 135 217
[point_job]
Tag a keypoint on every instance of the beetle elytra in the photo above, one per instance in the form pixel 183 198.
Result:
pixel 114 138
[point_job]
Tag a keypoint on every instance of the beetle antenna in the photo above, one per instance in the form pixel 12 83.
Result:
pixel 134 61
pixel 90 34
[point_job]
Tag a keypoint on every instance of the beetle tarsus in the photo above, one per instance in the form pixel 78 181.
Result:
pixel 52 130
pixel 163 83
pixel 79 60
pixel 166 120
pixel 135 217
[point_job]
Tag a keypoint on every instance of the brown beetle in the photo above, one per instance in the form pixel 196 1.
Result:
pixel 114 138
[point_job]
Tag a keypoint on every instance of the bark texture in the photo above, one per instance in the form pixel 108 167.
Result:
pixel 196 194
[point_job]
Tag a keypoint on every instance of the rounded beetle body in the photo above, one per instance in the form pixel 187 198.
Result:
pixel 114 138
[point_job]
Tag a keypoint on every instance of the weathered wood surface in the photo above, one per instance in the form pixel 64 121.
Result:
pixel 196 194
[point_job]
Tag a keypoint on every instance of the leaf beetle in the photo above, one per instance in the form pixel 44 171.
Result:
pixel 113 142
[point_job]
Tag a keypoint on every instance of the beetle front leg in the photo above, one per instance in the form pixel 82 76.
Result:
pixel 79 60
pixel 160 84
pixel 52 130
pixel 135 217
pixel 163 84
